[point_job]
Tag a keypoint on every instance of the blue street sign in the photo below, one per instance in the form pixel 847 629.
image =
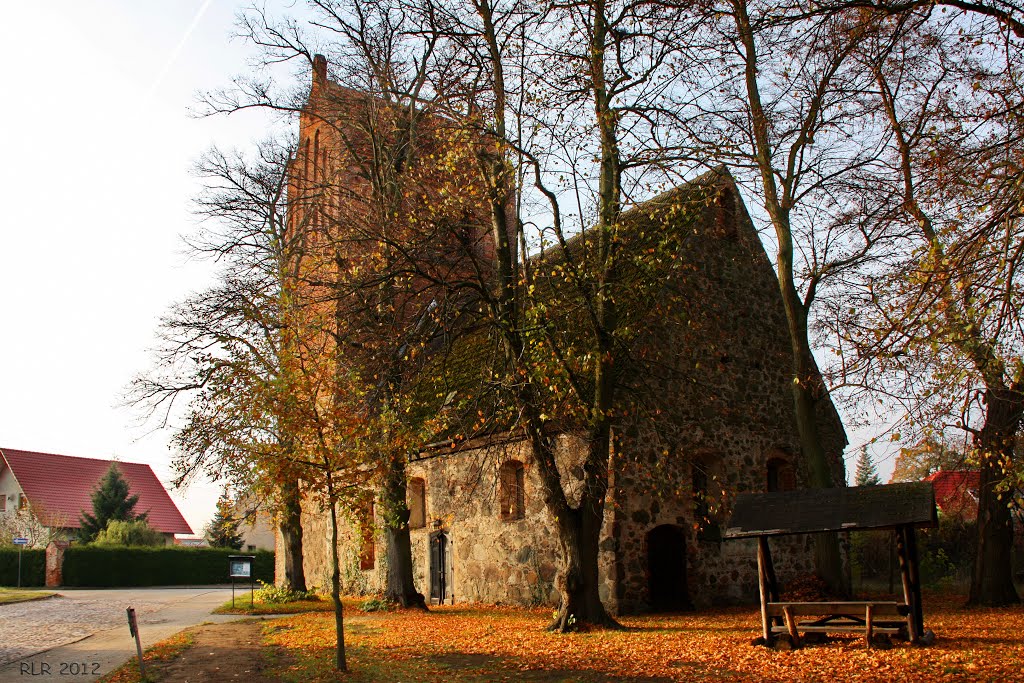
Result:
pixel 21 541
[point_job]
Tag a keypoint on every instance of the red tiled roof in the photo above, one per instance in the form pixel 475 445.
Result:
pixel 956 491
pixel 59 488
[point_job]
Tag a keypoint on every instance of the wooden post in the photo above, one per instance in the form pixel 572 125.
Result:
pixel 794 635
pixel 773 583
pixel 908 589
pixel 763 559
pixel 869 624
pixel 917 609
pixel 133 627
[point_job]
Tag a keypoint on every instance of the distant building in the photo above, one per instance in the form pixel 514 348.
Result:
pixel 956 492
pixel 255 524
pixel 192 542
pixel 57 489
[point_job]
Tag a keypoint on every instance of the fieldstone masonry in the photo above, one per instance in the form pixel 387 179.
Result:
pixel 716 413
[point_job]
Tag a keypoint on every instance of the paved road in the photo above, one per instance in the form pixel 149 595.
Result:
pixel 82 634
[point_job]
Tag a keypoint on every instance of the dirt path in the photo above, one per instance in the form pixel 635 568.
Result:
pixel 221 652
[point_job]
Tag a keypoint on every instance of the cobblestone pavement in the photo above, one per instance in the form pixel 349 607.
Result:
pixel 27 628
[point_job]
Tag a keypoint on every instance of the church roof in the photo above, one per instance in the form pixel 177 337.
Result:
pixel 59 488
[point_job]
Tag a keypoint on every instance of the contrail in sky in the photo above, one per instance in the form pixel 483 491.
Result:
pixel 175 52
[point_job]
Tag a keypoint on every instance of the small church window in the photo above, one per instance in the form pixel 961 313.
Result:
pixel 780 475
pixel 367 551
pixel 511 494
pixel 417 503
pixel 3 502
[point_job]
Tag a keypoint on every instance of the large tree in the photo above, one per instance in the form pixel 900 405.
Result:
pixel 221 348
pixel 566 103
pixel 112 500
pixel 222 531
pixel 938 321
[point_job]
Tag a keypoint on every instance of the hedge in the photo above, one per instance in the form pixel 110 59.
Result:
pixel 33 567
pixel 98 566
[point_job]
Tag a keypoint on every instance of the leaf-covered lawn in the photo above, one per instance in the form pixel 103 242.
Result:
pixel 464 643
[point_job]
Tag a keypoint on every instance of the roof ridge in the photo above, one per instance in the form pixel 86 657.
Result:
pixel 75 457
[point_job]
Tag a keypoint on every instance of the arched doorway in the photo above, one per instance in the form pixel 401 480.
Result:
pixel 666 569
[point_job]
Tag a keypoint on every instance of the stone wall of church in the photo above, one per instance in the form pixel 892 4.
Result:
pixel 719 350
pixel 709 393
pixel 492 559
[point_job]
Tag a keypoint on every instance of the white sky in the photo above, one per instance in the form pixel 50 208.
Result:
pixel 97 143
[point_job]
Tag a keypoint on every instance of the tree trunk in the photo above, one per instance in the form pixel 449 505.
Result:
pixel 339 616
pixel 400 588
pixel 291 533
pixel 807 388
pixel 577 581
pixel 828 560
pixel 992 579
pixel 579 532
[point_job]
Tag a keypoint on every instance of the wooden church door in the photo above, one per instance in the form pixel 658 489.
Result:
pixel 438 567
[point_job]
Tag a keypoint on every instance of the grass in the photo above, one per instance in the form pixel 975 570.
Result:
pixel 163 651
pixel 244 605
pixel 12 595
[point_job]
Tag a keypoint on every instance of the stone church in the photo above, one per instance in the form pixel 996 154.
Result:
pixel 716 418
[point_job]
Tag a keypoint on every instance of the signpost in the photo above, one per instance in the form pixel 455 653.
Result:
pixel 240 567
pixel 20 542
pixel 133 628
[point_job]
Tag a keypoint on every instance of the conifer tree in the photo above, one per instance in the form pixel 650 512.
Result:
pixel 222 531
pixel 867 474
pixel 110 501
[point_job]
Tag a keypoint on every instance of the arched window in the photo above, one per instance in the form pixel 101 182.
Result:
pixel 780 475
pixel 305 163
pixel 316 156
pixel 367 550
pixel 511 498
pixel 417 503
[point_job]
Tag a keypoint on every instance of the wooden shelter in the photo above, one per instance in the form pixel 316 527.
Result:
pixel 900 507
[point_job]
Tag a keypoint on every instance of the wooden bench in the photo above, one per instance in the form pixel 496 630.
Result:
pixel 841 617
pixel 899 507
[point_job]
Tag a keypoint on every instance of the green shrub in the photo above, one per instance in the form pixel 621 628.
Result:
pixel 274 595
pixel 375 605
pixel 134 533
pixel 94 565
pixel 33 567
pixel 947 552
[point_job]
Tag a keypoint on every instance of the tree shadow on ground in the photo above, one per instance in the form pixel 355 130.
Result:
pixel 490 668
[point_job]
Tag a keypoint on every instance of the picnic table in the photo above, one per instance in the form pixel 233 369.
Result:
pixel 899 507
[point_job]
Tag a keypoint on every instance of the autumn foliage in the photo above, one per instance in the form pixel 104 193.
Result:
pixel 463 643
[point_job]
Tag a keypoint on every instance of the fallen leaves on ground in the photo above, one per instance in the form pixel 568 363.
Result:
pixel 246 606
pixel 469 643
pixel 161 652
